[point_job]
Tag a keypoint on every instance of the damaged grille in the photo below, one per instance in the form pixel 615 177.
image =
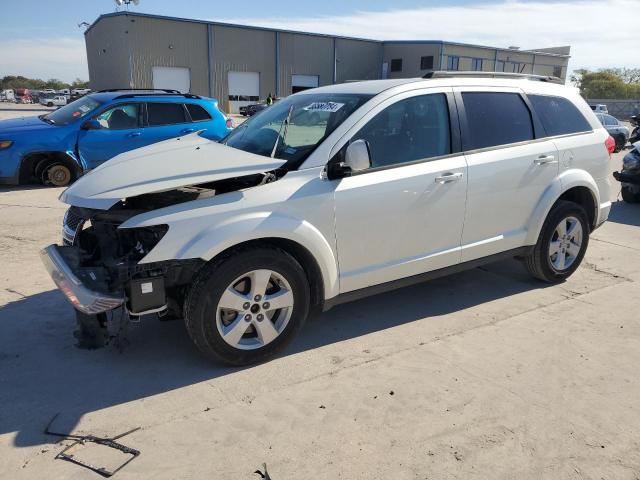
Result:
pixel 72 222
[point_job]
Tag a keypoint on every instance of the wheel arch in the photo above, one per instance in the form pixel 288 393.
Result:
pixel 575 186
pixel 32 164
pixel 302 255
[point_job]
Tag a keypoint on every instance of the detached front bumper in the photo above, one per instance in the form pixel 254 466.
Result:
pixel 82 297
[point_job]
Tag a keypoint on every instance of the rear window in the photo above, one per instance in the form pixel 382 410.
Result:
pixel 496 119
pixel 558 115
pixel 197 113
pixel 165 114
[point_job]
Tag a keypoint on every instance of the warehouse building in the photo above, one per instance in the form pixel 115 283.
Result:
pixel 239 64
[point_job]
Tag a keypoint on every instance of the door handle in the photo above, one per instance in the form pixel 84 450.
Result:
pixel 545 160
pixel 134 134
pixel 449 177
pixel 184 131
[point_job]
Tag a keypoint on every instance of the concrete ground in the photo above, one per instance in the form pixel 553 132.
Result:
pixel 482 375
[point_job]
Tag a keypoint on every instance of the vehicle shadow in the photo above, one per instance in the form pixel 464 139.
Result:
pixel 27 187
pixel 42 373
pixel 625 213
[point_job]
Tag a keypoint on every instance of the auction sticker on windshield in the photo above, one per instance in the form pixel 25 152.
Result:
pixel 330 107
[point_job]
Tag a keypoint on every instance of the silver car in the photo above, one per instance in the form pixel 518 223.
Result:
pixel 617 130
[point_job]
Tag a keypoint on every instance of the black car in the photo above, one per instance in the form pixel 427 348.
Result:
pixel 250 110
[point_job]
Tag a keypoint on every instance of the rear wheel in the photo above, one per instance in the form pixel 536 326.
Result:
pixel 561 245
pixel 247 306
pixel 629 195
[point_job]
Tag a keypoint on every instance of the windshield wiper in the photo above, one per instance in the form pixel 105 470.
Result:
pixel 285 124
pixel 47 120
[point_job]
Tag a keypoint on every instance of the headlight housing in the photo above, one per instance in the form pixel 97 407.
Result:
pixel 4 144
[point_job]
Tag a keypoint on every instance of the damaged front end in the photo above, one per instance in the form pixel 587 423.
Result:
pixel 98 266
pixel 98 269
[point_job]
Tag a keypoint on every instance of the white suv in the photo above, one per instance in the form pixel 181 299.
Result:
pixel 331 195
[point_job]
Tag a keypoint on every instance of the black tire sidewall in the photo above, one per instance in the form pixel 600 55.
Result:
pixel 202 318
pixel 561 210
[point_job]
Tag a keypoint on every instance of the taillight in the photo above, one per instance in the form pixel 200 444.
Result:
pixel 229 123
pixel 610 143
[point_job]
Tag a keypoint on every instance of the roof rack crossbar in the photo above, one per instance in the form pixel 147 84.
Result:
pixel 111 90
pixel 472 74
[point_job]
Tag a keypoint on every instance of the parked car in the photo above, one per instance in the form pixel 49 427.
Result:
pixel 630 175
pixel 7 95
pixel 54 101
pixel 599 108
pixel 59 147
pixel 396 182
pixel 616 129
pixel 251 110
pixel 80 91
pixel 49 90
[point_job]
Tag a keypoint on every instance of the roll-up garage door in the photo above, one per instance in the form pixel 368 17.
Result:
pixel 304 82
pixel 244 89
pixel 174 78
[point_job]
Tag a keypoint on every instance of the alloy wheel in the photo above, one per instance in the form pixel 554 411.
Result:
pixel 565 244
pixel 254 309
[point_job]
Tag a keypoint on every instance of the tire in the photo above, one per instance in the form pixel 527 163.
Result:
pixel 557 267
pixel 58 175
pixel 629 196
pixel 49 104
pixel 218 331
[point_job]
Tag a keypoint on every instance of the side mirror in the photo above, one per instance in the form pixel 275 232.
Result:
pixel 91 125
pixel 357 157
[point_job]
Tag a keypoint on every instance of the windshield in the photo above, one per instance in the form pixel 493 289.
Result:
pixel 311 118
pixel 72 112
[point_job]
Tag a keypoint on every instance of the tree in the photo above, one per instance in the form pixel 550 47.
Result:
pixel 18 81
pixel 608 83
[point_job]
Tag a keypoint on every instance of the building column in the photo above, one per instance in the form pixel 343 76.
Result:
pixel 211 63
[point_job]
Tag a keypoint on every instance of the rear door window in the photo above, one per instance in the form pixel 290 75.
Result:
pixel 165 114
pixel 558 115
pixel 496 119
pixel 197 113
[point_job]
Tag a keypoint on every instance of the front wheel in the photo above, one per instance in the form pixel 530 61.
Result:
pixel 561 245
pixel 246 307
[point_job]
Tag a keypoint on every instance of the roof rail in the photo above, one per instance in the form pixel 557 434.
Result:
pixel 473 74
pixel 134 95
pixel 110 90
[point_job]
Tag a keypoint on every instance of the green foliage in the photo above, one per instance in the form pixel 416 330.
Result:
pixel 620 83
pixel 13 82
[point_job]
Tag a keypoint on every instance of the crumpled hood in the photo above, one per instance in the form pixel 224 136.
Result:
pixel 22 124
pixel 179 162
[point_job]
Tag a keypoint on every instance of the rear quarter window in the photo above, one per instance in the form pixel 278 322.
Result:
pixel 558 115
pixel 197 113
pixel 496 119
pixel 165 114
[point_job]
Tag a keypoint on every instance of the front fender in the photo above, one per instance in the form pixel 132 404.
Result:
pixel 220 236
pixel 565 181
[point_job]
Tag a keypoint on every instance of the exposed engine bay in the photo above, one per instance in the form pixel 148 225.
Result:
pixel 106 257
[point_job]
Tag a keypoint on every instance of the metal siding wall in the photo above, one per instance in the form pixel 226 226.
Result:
pixel 358 60
pixel 411 54
pixel 164 43
pixel 304 55
pixel 243 50
pixel 108 54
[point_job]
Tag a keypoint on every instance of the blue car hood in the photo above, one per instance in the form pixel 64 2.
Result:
pixel 17 125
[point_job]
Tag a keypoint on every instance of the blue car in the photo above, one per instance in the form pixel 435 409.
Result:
pixel 59 147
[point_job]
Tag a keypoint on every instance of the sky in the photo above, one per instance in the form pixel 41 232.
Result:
pixel 41 39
